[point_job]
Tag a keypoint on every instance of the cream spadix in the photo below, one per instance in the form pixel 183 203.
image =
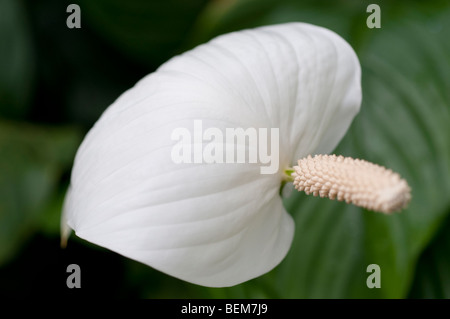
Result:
pixel 356 181
pixel 212 224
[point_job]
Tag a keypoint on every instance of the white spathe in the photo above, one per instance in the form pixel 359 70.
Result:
pixel 212 224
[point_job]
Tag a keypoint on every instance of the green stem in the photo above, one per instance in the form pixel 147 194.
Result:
pixel 287 177
pixel 287 174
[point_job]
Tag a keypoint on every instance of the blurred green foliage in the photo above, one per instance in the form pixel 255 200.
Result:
pixel 32 159
pixel 16 60
pixel 55 82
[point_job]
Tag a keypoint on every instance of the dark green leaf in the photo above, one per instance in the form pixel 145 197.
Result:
pixel 16 60
pixel 149 31
pixel 32 160
pixel 433 271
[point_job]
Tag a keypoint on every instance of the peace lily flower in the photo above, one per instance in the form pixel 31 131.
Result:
pixel 217 224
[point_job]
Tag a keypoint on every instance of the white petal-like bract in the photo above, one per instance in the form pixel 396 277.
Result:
pixel 212 224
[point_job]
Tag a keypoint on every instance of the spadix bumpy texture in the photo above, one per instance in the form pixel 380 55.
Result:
pixel 356 181
pixel 212 224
